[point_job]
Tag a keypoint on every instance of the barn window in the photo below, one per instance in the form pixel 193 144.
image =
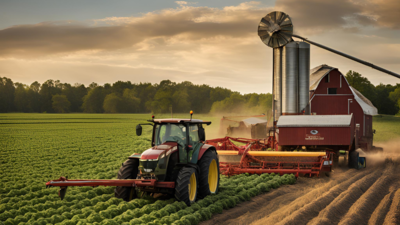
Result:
pixel 332 91
pixel 327 78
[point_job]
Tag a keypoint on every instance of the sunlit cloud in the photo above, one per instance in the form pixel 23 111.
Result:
pixel 216 46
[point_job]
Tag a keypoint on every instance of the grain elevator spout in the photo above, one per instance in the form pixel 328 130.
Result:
pixel 348 56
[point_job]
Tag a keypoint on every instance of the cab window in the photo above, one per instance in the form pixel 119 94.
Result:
pixel 194 132
pixel 164 131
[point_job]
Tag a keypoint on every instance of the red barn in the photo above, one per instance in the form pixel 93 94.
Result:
pixel 331 94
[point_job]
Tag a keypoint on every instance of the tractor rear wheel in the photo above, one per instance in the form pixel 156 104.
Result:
pixel 186 185
pixel 128 170
pixel 353 159
pixel 209 174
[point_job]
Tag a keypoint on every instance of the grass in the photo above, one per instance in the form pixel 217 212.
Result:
pixel 387 128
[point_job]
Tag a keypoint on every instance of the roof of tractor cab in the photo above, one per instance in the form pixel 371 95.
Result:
pixel 176 120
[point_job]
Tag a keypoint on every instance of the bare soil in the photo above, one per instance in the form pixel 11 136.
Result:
pixel 347 196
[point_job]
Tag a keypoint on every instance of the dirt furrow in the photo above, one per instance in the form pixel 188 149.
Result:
pixel 287 213
pixel 378 216
pixel 268 203
pixel 393 216
pixel 362 209
pixel 236 215
pixel 340 205
pixel 317 200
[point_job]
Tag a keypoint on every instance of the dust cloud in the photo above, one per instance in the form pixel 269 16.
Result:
pixel 391 152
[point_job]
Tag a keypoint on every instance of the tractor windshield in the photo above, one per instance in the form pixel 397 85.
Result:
pixel 164 131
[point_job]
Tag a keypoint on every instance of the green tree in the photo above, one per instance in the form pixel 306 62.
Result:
pixel 75 95
pixel 7 91
pixel 112 103
pixel 33 97
pixel 163 97
pixel 47 90
pixel 395 96
pixel 60 103
pixel 131 103
pixel 219 94
pixel 362 84
pixel 120 86
pixel 93 101
pixel 180 101
pixel 384 104
pixel 20 98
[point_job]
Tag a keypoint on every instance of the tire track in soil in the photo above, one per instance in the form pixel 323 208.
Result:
pixel 308 206
pixel 230 216
pixel 267 203
pixel 333 213
pixel 360 212
pixel 378 216
pixel 393 216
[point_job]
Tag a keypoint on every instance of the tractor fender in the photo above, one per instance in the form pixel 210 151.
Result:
pixel 135 156
pixel 204 148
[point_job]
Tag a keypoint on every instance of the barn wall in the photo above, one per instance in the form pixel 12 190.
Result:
pixel 334 82
pixel 324 104
pixel 329 136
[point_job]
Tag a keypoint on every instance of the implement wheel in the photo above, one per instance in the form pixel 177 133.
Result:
pixel 209 174
pixel 128 170
pixel 186 185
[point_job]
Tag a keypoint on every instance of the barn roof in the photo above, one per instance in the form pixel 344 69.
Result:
pixel 364 102
pixel 315 121
pixel 319 72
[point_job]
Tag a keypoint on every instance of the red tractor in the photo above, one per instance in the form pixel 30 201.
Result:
pixel 178 163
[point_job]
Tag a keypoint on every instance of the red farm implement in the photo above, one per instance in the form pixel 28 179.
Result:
pixel 254 156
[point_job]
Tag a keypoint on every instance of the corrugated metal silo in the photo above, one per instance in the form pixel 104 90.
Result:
pixel 278 82
pixel 304 76
pixel 290 75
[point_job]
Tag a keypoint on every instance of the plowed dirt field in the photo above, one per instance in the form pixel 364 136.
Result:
pixel 346 196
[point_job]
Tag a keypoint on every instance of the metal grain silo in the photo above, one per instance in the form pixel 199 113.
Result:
pixel 277 81
pixel 304 76
pixel 290 75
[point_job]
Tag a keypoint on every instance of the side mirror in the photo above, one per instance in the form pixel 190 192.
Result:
pixel 138 130
pixel 202 134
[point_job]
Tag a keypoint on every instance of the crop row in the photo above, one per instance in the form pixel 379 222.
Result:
pixel 99 210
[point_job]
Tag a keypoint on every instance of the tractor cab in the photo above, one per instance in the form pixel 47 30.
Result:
pixel 175 142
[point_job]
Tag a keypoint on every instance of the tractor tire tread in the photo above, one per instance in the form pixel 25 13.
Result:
pixel 181 185
pixel 204 164
pixel 128 170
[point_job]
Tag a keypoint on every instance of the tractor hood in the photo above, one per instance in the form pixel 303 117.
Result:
pixel 155 152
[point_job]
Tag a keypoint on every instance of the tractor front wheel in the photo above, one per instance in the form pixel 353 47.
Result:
pixel 186 185
pixel 209 174
pixel 128 170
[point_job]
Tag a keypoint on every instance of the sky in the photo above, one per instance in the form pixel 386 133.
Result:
pixel 211 42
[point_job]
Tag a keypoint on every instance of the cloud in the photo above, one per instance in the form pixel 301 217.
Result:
pixel 215 46
pixel 386 13
pixel 190 23
pixel 196 24
pixel 317 16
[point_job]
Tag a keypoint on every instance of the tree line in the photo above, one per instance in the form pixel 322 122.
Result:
pixel 122 97
pixel 385 97
pixel 125 97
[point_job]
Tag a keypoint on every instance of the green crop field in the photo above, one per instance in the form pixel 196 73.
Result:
pixel 36 148
pixel 387 128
